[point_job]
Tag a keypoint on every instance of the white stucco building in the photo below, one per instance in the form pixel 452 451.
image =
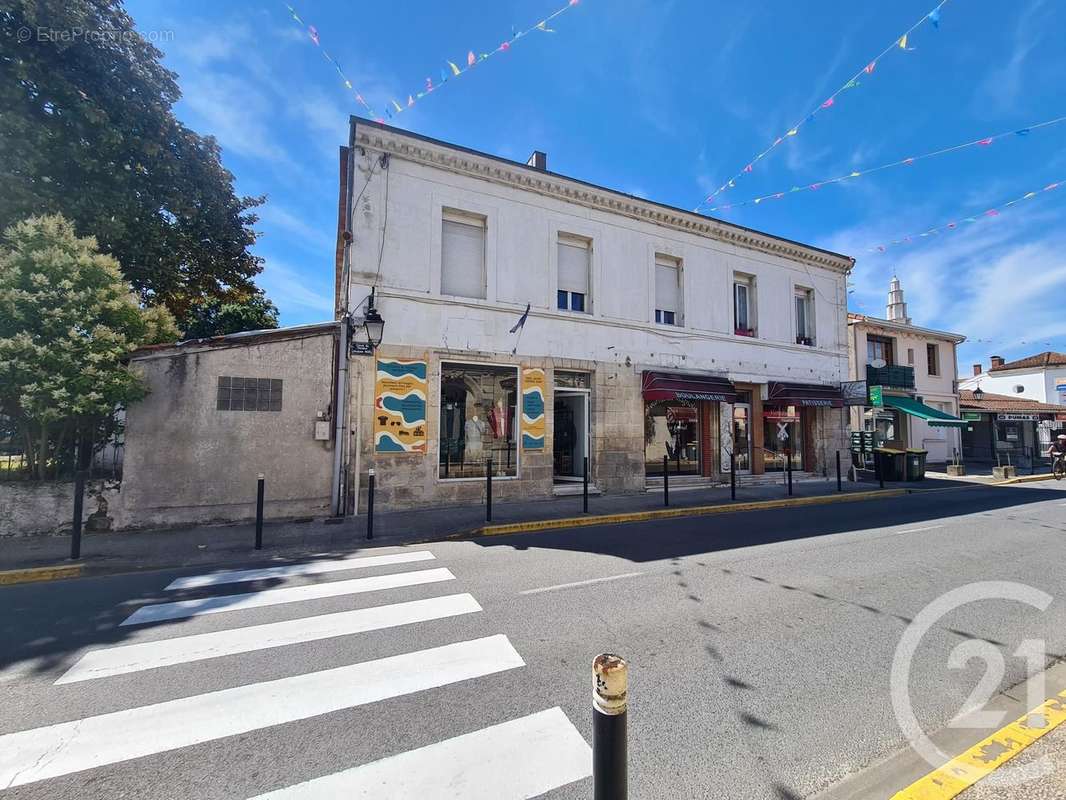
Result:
pixel 537 320
pixel 916 370
pixel 1041 377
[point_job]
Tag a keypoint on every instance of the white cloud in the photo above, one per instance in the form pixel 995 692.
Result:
pixel 313 238
pixel 289 289
pixel 1003 86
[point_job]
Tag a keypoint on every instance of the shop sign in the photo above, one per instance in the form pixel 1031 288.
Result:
pixel 1017 417
pixel 400 406
pixel 877 396
pixel 532 408
pixel 713 397
pixel 971 415
pixel 819 403
pixel 854 392
pixel 781 414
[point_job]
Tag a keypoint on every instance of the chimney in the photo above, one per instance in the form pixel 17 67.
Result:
pixel 997 361
pixel 538 160
pixel 976 369
pixel 896 311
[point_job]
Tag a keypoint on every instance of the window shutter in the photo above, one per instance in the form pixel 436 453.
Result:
pixel 667 290
pixel 463 259
pixel 573 266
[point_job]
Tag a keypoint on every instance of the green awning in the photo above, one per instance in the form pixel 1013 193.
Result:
pixel 935 418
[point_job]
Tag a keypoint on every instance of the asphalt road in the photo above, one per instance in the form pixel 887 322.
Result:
pixel 760 647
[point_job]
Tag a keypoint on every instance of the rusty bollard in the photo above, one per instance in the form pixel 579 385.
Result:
pixel 610 683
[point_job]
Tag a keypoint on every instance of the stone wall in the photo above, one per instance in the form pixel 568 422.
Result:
pixel 32 508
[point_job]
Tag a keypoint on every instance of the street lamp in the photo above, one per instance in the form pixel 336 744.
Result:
pixel 978 395
pixel 374 324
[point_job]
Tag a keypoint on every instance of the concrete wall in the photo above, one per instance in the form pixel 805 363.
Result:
pixel 188 462
pixel 43 508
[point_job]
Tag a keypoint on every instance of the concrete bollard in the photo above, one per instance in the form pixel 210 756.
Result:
pixel 610 687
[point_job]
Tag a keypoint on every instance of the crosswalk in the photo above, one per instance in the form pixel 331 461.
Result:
pixel 522 757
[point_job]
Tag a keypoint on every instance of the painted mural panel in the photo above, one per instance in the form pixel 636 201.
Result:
pixel 532 408
pixel 400 406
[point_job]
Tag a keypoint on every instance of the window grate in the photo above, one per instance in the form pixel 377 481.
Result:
pixel 249 394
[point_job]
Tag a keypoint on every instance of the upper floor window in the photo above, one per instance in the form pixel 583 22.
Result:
pixel 462 254
pixel 932 355
pixel 878 349
pixel 910 356
pixel 804 300
pixel 667 290
pixel 744 304
pixel 574 259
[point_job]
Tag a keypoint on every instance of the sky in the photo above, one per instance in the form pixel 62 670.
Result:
pixel 667 100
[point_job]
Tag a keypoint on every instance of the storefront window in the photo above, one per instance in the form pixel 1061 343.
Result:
pixel 782 431
pixel 886 426
pixel 478 420
pixel 671 429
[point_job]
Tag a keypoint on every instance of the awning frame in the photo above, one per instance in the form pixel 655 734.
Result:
pixel 655 386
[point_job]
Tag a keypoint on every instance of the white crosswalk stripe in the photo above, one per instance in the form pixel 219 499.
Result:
pixel 34 755
pixel 292 594
pixel 168 652
pixel 296 570
pixel 519 758
pixel 512 761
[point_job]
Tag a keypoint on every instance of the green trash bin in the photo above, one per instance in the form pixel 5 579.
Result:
pixel 916 465
pixel 892 463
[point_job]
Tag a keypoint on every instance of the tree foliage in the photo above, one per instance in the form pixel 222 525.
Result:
pixel 215 317
pixel 68 321
pixel 87 131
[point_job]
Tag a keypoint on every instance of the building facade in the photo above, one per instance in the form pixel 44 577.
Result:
pixel 912 378
pixel 533 321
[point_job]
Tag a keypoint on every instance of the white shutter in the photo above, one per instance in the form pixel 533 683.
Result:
pixel 462 259
pixel 573 266
pixel 667 289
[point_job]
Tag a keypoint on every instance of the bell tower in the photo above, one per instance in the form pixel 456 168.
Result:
pixel 896 311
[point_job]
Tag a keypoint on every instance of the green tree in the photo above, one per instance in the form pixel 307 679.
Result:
pixel 215 317
pixel 68 321
pixel 87 131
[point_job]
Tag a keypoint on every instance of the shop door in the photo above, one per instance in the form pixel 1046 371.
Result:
pixel 742 437
pixel 570 442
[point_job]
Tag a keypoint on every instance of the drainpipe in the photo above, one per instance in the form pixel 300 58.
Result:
pixel 339 417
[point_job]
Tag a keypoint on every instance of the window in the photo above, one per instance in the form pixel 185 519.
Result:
pixel 667 290
pixel 878 348
pixel 462 255
pixel 744 305
pixel 932 354
pixel 910 356
pixel 574 260
pixel 478 420
pixel 249 394
pixel 572 380
pixel 804 316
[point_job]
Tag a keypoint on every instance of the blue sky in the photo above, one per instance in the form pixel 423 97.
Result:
pixel 667 100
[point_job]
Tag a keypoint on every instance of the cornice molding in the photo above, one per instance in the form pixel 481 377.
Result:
pixel 467 163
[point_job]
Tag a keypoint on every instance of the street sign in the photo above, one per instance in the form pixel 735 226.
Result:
pixel 877 396
pixel 1017 417
pixel 854 393
pixel 971 415
pixel 362 349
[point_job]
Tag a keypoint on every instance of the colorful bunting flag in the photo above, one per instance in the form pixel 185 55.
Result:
pixel 455 69
pixel 828 103
pixel 903 42
pixel 470 59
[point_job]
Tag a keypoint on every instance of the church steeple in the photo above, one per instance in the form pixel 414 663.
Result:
pixel 896 310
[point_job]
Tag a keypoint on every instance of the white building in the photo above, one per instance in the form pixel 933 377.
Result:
pixel 649 331
pixel 915 370
pixel 1041 377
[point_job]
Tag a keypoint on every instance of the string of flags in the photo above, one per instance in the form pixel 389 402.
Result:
pixel 955 225
pixel 454 70
pixel 899 43
pixel 312 32
pixel 984 141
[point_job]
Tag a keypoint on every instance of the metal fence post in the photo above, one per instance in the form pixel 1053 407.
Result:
pixel 370 477
pixel 488 491
pixel 260 490
pixel 788 455
pixel 609 698
pixel 666 481
pixel 585 486
pixel 732 476
pixel 79 505
pixel 840 486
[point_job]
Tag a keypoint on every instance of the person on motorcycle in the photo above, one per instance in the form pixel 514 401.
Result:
pixel 1058 447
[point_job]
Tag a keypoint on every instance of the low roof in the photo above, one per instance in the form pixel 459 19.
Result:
pixel 1048 358
pixel 242 338
pixel 1004 403
pixel 905 327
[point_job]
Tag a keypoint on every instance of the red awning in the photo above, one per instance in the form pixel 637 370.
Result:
pixel 804 394
pixel 669 386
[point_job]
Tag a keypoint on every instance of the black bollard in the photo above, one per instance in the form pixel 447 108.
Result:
pixel 840 485
pixel 788 455
pixel 488 491
pixel 666 481
pixel 609 751
pixel 79 505
pixel 877 470
pixel 370 503
pixel 260 489
pixel 585 486
pixel 732 476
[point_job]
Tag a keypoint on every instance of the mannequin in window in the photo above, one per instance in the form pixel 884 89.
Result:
pixel 475 430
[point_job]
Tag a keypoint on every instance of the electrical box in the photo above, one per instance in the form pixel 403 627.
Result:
pixel 322 430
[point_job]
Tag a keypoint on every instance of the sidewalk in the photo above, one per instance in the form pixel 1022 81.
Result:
pixel 120 552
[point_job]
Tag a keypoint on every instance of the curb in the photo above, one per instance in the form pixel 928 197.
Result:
pixel 35 574
pixel 988 755
pixel 533 526
pixel 1047 476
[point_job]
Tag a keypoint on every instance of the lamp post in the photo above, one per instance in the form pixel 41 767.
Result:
pixel 373 323
pixel 978 395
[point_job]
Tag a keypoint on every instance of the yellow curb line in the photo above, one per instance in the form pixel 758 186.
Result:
pixel 1025 479
pixel 35 574
pixel 668 513
pixel 988 755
